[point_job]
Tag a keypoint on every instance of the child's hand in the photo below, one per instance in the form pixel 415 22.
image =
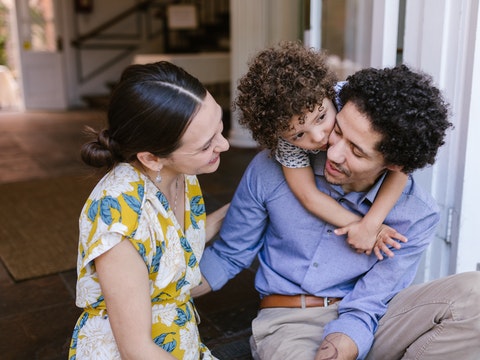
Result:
pixel 364 239
pixel 386 236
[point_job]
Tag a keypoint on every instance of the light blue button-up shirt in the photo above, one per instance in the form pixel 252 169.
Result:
pixel 299 253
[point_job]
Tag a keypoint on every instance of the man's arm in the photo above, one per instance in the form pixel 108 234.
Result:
pixel 241 233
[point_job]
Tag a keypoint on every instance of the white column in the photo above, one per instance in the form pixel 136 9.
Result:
pixel 315 33
pixel 384 33
pixel 467 256
pixel 256 24
pixel 441 38
pixel 249 27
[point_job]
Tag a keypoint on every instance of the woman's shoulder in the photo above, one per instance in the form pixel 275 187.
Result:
pixel 123 179
pixel 117 199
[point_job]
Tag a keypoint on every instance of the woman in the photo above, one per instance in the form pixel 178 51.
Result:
pixel 144 227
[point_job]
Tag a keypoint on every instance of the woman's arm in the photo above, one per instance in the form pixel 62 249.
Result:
pixel 201 289
pixel 214 222
pixel 124 281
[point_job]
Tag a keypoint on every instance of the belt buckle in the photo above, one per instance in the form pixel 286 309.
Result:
pixel 326 301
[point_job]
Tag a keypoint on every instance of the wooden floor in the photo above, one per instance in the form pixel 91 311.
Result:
pixel 37 316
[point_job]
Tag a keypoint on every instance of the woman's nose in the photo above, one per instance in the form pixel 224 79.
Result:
pixel 222 144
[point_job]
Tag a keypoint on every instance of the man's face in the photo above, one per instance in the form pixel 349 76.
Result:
pixel 352 160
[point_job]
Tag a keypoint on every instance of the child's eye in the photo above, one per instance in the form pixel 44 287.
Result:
pixel 297 136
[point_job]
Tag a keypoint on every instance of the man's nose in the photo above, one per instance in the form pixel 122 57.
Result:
pixel 336 151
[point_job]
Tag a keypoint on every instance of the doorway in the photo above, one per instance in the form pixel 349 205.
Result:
pixel 33 52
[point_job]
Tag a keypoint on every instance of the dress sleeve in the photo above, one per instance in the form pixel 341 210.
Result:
pixel 291 156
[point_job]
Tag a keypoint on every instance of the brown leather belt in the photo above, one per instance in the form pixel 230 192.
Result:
pixel 296 301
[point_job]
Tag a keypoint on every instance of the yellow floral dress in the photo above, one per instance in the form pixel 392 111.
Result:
pixel 126 206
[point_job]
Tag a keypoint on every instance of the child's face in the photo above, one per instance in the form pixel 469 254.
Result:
pixel 313 133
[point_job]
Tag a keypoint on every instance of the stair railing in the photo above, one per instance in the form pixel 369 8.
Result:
pixel 95 39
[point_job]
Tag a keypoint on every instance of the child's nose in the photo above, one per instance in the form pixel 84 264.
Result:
pixel 318 136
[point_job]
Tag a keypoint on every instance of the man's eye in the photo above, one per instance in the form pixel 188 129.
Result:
pixel 357 153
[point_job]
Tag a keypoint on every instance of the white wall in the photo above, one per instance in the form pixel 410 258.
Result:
pixel 256 24
pixel 440 39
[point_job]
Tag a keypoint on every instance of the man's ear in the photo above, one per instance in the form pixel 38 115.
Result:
pixel 395 168
pixel 150 161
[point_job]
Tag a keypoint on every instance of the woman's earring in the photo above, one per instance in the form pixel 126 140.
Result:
pixel 158 178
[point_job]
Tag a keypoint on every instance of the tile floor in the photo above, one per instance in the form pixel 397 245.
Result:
pixel 37 316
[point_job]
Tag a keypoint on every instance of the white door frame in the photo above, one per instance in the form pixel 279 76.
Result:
pixel 442 38
pixel 42 73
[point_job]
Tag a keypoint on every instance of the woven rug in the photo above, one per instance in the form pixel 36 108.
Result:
pixel 39 224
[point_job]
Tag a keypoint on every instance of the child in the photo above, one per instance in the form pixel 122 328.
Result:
pixel 285 98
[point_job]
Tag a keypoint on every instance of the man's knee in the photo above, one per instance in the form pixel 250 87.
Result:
pixel 467 284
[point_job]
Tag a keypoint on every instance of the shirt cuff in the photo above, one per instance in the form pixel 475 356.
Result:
pixel 354 329
pixel 213 270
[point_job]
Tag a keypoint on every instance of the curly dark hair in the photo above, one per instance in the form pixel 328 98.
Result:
pixel 282 81
pixel 405 108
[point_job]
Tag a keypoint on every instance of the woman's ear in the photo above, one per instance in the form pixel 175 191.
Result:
pixel 150 161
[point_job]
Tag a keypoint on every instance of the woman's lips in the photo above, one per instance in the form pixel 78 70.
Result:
pixel 214 160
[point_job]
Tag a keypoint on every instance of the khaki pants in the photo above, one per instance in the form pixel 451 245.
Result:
pixel 439 320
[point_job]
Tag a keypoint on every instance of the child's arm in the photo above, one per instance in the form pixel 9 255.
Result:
pixel 302 183
pixel 369 232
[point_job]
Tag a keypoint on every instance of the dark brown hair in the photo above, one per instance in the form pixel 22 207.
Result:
pixel 149 110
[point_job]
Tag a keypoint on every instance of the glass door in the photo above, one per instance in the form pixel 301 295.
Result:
pixel 41 57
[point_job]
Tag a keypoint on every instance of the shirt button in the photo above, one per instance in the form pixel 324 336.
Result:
pixel 341 200
pixel 315 264
pixel 329 231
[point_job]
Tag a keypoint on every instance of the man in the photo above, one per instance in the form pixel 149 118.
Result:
pixel 320 298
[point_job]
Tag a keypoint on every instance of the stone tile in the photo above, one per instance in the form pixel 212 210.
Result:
pixel 42 293
pixel 5 278
pixel 38 334
pixel 20 168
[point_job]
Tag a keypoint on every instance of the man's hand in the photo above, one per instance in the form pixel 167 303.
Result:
pixel 337 346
